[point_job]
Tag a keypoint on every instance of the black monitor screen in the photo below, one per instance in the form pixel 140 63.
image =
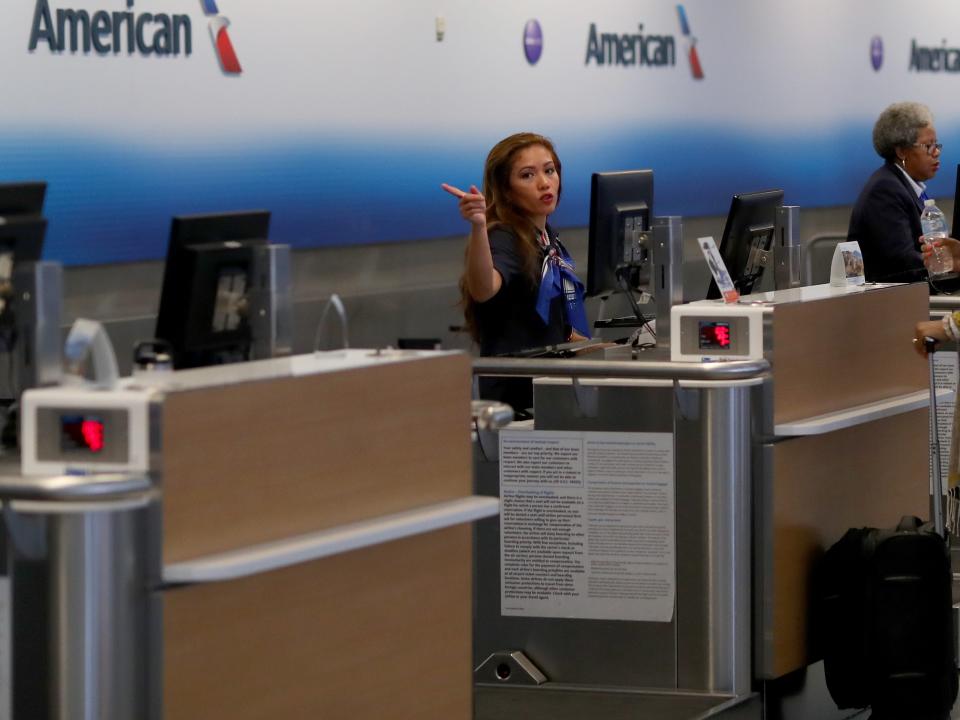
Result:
pixel 746 236
pixel 21 241
pixel 206 282
pixel 621 207
pixel 22 198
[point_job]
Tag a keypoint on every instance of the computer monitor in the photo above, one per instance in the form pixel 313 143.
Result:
pixel 21 241
pixel 747 234
pixel 206 284
pixel 621 208
pixel 22 198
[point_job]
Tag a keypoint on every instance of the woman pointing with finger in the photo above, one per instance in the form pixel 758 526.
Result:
pixel 518 288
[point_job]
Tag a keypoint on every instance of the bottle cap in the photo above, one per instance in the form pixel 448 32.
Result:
pixel 928 202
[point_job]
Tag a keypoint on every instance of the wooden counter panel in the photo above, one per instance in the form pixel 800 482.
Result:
pixel 341 638
pixel 851 350
pixel 252 462
pixel 868 475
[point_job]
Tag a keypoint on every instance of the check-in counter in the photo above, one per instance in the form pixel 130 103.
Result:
pixel 304 551
pixel 694 661
pixel 844 444
pixel 772 463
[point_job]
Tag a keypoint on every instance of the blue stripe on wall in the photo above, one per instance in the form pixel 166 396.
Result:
pixel 112 203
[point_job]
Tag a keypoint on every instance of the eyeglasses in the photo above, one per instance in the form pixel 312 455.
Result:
pixel 930 148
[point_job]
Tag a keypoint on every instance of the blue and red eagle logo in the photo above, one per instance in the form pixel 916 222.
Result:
pixel 221 38
pixel 695 68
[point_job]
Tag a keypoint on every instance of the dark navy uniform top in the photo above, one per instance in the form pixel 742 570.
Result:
pixel 886 223
pixel 508 323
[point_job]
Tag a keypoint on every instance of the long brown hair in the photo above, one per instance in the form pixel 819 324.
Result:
pixel 502 211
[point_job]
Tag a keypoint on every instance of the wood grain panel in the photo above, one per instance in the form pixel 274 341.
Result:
pixel 382 632
pixel 264 460
pixel 868 475
pixel 845 351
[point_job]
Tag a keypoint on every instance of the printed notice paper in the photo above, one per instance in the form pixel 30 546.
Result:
pixel 587 525
pixel 944 378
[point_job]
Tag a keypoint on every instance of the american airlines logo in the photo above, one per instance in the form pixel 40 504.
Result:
pixel 642 48
pixel 128 31
pixel 221 39
pixel 695 68
pixel 630 49
pixel 942 58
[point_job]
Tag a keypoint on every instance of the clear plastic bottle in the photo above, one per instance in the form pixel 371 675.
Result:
pixel 934 226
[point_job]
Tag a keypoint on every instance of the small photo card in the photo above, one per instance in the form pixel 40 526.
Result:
pixel 847 267
pixel 718 269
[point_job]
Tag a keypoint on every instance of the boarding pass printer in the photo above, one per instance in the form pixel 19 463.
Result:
pixel 78 429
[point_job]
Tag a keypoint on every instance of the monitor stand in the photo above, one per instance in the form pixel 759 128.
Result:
pixel 642 312
pixel 638 329
pixel 626 321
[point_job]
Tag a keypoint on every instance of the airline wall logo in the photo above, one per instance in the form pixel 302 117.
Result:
pixel 221 38
pixel 630 49
pixel 876 52
pixel 129 31
pixel 934 59
pixel 110 32
pixel 641 48
pixel 532 41
pixel 695 68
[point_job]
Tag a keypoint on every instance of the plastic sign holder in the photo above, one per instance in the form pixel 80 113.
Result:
pixel 847 267
pixel 718 269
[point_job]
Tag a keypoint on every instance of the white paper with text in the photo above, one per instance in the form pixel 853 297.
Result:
pixel 944 378
pixel 587 525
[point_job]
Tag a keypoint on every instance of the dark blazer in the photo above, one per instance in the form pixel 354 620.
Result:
pixel 886 223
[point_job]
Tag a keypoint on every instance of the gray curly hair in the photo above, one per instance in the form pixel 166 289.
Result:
pixel 898 126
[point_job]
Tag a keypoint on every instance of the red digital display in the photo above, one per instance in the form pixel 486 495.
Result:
pixel 81 433
pixel 92 431
pixel 714 336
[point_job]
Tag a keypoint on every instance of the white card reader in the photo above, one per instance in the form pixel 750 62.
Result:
pixel 77 429
pixel 715 330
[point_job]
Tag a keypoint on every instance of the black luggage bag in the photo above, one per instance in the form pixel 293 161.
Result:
pixel 885 617
pixel 886 622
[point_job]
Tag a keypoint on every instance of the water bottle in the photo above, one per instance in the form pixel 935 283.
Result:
pixel 934 225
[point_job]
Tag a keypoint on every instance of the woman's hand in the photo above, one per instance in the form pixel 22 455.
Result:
pixel 481 279
pixel 929 328
pixel 473 206
pixel 951 245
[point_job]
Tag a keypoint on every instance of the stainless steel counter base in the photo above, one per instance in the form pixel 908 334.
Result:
pixel 80 543
pixel 698 664
pixel 560 702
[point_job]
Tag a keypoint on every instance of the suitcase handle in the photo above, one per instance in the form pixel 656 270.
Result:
pixel 909 523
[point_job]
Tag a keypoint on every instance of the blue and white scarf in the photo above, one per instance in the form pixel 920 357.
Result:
pixel 557 279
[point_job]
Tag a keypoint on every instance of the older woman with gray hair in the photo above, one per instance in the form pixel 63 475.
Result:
pixel 886 217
